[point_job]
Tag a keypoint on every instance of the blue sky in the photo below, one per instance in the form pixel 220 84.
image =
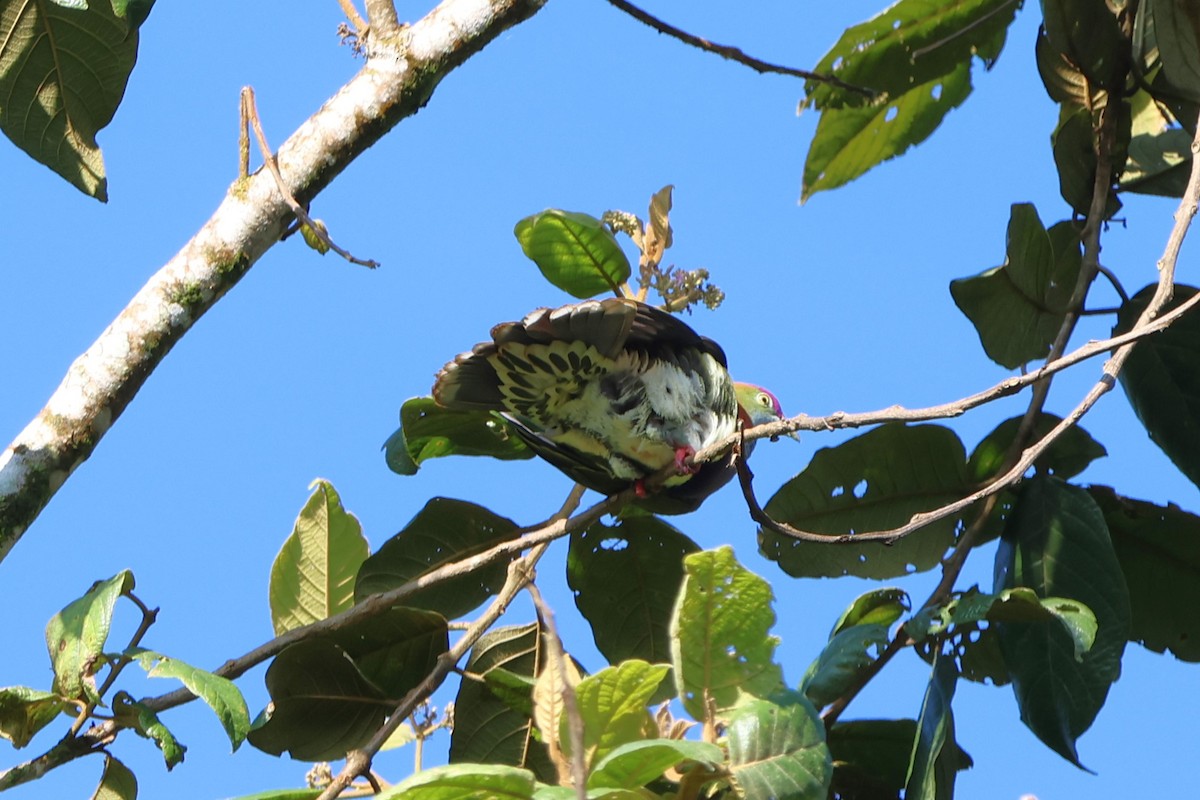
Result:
pixel 840 304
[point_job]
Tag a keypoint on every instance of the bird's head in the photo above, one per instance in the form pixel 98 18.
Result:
pixel 758 406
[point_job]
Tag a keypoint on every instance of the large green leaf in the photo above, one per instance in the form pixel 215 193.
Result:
pixel 612 704
pixel 721 645
pixel 935 756
pixel 1171 30
pixel 76 635
pixel 862 628
pixel 911 43
pixel 463 782
pixel 1018 308
pixel 429 431
pixel 444 531
pixel 321 704
pixel 876 607
pixel 576 252
pixel 313 575
pixel 876 481
pixel 849 141
pixel 871 757
pixel 625 578
pixel 1056 543
pixel 634 764
pixel 1160 156
pixel 1066 457
pixel 221 695
pixel 486 729
pixel 395 650
pixel 117 782
pixel 1161 378
pixel 1088 34
pixel 1073 143
pixel 63 71
pixel 1159 551
pixel 778 751
pixel 25 711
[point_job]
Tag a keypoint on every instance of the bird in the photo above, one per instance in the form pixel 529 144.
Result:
pixel 611 392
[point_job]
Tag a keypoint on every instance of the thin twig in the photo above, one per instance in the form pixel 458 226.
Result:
pixel 250 111
pixel 733 53
pixel 570 699
pixel 360 24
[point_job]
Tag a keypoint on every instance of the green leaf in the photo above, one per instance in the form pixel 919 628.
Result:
pixel 575 252
pixel 486 730
pixel 1066 457
pixel 1174 29
pixel 313 575
pixel 625 578
pixel 463 782
pixel 1161 378
pixel 62 75
pixel 1088 34
pixel 443 532
pixel 1159 551
pixel 911 43
pixel 935 756
pixel 116 783
pixel 1064 81
pixel 515 690
pixel 634 764
pixel 721 645
pixel 1073 142
pixel 321 704
pixel 221 695
pixel 76 635
pixel 876 481
pixel 840 663
pixel 1056 543
pixel 395 650
pixel 850 141
pixel 144 722
pixel 871 757
pixel 612 704
pixel 429 431
pixel 1160 156
pixel 876 607
pixel 1018 308
pixel 282 794
pixel 778 752
pixel 25 711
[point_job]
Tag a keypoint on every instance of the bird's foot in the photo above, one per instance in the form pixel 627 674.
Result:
pixel 683 463
pixel 639 488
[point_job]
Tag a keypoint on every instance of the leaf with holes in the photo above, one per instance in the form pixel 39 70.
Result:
pixel 575 252
pixel 444 531
pixel 778 752
pixel 1018 308
pixel 1056 543
pixel 876 481
pixel 1158 548
pixel 1162 380
pixel 850 141
pixel 625 578
pixel 721 645
pixel 313 575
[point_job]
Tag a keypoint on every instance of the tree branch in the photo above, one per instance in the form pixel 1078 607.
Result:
pixel 402 72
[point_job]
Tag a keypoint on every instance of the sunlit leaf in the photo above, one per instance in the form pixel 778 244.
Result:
pixel 429 431
pixel 575 252
pixel 778 752
pixel 635 764
pixel 116 783
pixel 221 695
pixel 463 782
pixel 612 704
pixel 140 719
pixel 25 711
pixel 76 635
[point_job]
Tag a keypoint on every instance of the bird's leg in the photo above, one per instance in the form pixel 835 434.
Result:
pixel 639 488
pixel 683 457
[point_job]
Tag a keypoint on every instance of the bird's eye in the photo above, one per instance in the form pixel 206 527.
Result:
pixel 764 400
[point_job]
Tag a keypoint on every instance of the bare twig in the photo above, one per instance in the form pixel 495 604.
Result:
pixel 360 24
pixel 250 117
pixel 733 53
pixel 383 19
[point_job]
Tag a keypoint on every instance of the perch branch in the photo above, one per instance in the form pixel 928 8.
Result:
pixel 401 73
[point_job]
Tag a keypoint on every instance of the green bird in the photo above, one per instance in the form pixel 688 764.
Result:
pixel 611 392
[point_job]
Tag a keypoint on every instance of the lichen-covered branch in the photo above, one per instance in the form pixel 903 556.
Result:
pixel 402 71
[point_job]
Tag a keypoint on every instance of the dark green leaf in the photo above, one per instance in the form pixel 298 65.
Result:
pixel 778 752
pixel 1056 543
pixel 76 635
pixel 429 431
pixel 1073 142
pixel 145 723
pixel 721 646
pixel 625 578
pixel 515 690
pixel 848 653
pixel 62 74
pixel 25 711
pixel 1173 27
pixel 911 43
pixel 443 532
pixel 395 650
pixel 486 730
pixel 850 141
pixel 1159 551
pixel 575 252
pixel 1160 156
pixel 935 757
pixel 321 704
pixel 463 782
pixel 876 481
pixel 1063 80
pixel 876 607
pixel 1066 457
pixel 871 757
pixel 313 575
pixel 1087 33
pixel 633 765
pixel 612 704
pixel 1162 380
pixel 221 695
pixel 117 782
pixel 1018 308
